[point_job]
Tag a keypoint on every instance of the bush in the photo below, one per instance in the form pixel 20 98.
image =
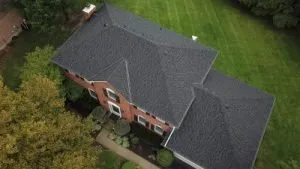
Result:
pixel 165 157
pixel 125 144
pixel 122 127
pixel 109 160
pixel 118 140
pixel 129 165
pixel 98 113
pixel 112 136
pixel 134 141
pixel 73 90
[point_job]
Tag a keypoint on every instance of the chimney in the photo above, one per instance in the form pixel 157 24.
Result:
pixel 88 11
pixel 194 38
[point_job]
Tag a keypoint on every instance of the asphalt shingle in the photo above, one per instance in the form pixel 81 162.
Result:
pixel 160 65
pixel 224 125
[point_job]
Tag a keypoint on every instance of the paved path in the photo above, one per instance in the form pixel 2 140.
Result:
pixel 123 152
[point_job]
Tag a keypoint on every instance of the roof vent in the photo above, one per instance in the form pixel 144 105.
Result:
pixel 88 11
pixel 194 38
pixel 105 25
pixel 226 106
pixel 160 28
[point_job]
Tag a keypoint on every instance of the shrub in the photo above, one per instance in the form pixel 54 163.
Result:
pixel 97 127
pixel 165 157
pixel 98 113
pixel 118 140
pixel 125 138
pixel 125 144
pixel 122 127
pixel 134 140
pixel 112 136
pixel 129 165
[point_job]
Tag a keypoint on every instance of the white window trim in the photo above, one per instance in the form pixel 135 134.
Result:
pixel 90 92
pixel 141 122
pixel 108 90
pixel 87 81
pixel 158 132
pixel 110 104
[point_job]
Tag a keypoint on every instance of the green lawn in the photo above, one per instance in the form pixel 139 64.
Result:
pixel 250 51
pixel 26 42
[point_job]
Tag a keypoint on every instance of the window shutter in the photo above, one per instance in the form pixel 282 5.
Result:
pixel 135 118
pixel 105 93
pixel 117 99
pixel 152 127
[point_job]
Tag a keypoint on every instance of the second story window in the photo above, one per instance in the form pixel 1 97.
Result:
pixel 111 94
pixel 142 121
pixel 158 129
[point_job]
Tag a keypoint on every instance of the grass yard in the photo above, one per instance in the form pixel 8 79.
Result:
pixel 26 42
pixel 249 50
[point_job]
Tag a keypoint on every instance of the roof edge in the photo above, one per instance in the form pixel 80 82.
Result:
pixel 263 133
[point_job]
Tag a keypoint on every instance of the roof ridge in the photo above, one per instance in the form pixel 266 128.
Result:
pixel 107 67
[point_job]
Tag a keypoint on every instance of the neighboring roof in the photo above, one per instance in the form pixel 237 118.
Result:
pixel 8 21
pixel 224 125
pixel 156 67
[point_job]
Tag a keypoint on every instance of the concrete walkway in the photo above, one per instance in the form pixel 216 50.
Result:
pixel 103 139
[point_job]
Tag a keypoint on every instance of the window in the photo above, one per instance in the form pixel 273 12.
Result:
pixel 158 129
pixel 142 120
pixel 111 94
pixel 93 94
pixel 114 108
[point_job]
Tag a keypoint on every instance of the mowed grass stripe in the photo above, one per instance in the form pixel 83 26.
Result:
pixel 270 62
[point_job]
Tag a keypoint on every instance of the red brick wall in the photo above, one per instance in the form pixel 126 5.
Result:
pixel 128 110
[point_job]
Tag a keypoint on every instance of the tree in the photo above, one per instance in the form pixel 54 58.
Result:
pixel 38 133
pixel 45 14
pixel 285 13
pixel 72 90
pixel 39 63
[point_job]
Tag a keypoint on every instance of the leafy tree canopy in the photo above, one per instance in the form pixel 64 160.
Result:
pixel 285 13
pixel 39 63
pixel 36 131
pixel 44 14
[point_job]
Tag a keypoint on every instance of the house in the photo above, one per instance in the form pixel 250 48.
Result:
pixel 10 26
pixel 164 81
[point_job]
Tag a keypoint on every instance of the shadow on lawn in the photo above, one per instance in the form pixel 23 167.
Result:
pixel 26 42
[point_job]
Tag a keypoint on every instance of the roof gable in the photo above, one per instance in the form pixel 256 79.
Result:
pixel 224 128
pixel 160 65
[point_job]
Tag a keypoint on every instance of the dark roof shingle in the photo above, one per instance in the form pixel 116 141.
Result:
pixel 160 65
pixel 224 125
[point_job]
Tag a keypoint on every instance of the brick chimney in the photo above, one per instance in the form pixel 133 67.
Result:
pixel 88 11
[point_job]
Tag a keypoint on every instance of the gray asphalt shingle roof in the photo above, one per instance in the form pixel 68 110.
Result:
pixel 219 121
pixel 224 125
pixel 156 67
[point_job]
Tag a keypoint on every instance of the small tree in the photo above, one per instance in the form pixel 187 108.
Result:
pixel 165 157
pixel 73 90
pixel 122 127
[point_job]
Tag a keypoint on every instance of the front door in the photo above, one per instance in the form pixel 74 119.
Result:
pixel 115 109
